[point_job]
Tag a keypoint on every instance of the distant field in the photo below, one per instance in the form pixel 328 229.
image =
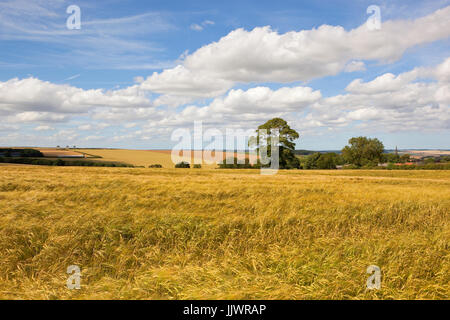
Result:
pixel 144 157
pixel 424 153
pixel 163 157
pixel 134 157
pixel 53 153
pixel 223 234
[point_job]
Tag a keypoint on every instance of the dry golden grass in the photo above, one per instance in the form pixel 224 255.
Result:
pixel 223 234
pixel 134 157
pixel 53 153
pixel 147 157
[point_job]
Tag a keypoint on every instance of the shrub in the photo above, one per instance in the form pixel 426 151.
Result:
pixel 183 164
pixel 155 166
pixel 390 166
pixel 197 166
pixel 370 165
pixel 232 163
pixel 319 160
pixel 350 166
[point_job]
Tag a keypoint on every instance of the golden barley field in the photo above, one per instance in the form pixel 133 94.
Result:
pixel 223 234
pixel 134 157
pixel 148 157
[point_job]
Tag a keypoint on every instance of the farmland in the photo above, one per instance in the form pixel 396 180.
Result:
pixel 134 157
pixel 223 234
pixel 148 157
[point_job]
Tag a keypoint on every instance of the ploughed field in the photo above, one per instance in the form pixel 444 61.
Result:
pixel 223 234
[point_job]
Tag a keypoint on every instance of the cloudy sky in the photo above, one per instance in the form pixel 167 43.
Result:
pixel 134 72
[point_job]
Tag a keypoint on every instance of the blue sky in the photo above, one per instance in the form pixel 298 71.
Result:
pixel 136 71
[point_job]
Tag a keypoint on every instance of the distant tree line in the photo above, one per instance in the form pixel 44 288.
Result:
pixel 24 153
pixel 361 152
pixel 319 160
pixel 60 162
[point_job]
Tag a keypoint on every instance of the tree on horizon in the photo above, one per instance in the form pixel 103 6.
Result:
pixel 363 151
pixel 286 144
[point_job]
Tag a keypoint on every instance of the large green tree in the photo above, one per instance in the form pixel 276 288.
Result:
pixel 286 145
pixel 319 160
pixel 363 151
